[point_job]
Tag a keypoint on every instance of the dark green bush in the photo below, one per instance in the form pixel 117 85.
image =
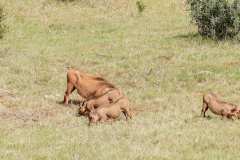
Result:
pixel 235 11
pixel 2 26
pixel 217 19
pixel 140 6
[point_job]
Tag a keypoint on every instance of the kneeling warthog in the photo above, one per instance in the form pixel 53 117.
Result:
pixel 110 97
pixel 224 109
pixel 88 86
pixel 111 111
pixel 95 90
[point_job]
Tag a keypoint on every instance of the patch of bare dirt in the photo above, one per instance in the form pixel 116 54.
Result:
pixel 139 109
pixel 232 64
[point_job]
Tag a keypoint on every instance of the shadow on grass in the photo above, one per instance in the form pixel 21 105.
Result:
pixel 196 118
pixel 73 104
pixel 194 36
pixel 70 102
pixel 189 36
pixel 207 117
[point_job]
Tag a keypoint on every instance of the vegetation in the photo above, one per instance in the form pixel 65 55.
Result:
pixel 217 19
pixel 2 26
pixel 158 61
pixel 140 6
pixel 66 0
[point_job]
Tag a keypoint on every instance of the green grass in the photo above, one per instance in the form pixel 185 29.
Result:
pixel 157 59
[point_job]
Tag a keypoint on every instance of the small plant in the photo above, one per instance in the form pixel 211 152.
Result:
pixel 217 19
pixel 140 6
pixel 66 0
pixel 2 26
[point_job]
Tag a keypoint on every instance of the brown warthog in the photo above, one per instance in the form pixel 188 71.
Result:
pixel 104 100
pixel 218 107
pixel 110 112
pixel 90 88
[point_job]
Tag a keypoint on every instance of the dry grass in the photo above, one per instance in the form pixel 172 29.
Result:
pixel 155 58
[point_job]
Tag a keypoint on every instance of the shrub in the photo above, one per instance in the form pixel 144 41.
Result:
pixel 217 19
pixel 140 6
pixel 235 8
pixel 2 26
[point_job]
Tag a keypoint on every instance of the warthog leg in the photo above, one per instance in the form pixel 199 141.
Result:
pixel 204 109
pixel 127 113
pixel 69 90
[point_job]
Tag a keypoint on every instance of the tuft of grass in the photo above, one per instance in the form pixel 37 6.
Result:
pixel 140 6
pixel 2 26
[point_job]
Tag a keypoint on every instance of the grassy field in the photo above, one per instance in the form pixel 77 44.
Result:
pixel 157 59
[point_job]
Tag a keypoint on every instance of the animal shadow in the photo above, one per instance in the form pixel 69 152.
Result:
pixel 71 102
pixel 194 118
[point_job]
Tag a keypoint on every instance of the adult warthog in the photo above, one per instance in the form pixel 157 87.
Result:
pixel 95 90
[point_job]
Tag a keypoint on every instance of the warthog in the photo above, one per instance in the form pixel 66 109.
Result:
pixel 224 109
pixel 110 112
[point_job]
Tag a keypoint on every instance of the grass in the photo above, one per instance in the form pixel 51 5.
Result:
pixel 156 58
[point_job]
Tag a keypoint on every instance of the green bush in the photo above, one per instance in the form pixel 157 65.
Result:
pixel 140 6
pixel 217 19
pixel 235 7
pixel 2 26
